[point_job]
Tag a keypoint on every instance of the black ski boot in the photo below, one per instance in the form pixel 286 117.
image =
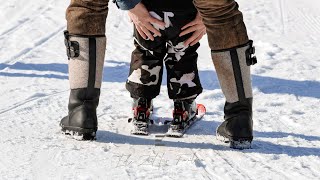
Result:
pixel 233 70
pixel 82 117
pixel 237 127
pixel 142 109
pixel 86 58
pixel 184 114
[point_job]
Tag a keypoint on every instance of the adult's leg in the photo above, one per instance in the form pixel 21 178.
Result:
pixel 86 43
pixel 224 23
pixel 232 56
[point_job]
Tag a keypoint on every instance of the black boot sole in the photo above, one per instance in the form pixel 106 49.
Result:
pixel 80 133
pixel 235 143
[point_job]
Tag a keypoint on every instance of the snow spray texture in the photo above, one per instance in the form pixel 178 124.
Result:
pixel 146 66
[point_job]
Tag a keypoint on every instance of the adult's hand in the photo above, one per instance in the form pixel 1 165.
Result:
pixel 143 22
pixel 197 27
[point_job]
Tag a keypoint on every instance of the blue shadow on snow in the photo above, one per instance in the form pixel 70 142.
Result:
pixel 116 71
pixel 261 147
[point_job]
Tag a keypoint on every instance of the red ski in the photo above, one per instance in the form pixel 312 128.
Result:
pixel 179 130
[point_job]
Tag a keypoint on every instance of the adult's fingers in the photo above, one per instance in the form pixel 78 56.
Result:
pixel 156 21
pixel 189 30
pixel 192 23
pixel 194 36
pixel 197 39
pixel 147 33
pixel 152 29
pixel 141 32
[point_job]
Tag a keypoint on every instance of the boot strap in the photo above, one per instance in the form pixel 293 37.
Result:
pixel 251 59
pixel 72 47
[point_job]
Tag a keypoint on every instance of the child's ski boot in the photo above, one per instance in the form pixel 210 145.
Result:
pixel 184 115
pixel 142 109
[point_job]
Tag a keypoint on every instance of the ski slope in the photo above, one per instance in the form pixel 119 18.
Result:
pixel 34 96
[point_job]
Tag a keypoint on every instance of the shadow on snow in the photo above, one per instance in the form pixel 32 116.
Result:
pixel 259 146
pixel 115 71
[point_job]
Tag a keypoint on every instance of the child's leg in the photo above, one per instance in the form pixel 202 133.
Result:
pixel 144 80
pixel 183 78
pixel 146 67
pixel 181 62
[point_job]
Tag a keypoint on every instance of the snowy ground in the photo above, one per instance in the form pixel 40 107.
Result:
pixel 34 91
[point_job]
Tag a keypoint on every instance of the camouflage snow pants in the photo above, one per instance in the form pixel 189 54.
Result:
pixel 146 66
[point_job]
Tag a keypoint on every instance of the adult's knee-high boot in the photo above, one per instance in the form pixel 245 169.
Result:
pixel 233 70
pixel 86 59
pixel 232 56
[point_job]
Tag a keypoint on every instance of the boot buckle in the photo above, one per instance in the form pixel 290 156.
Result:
pixel 251 59
pixel 72 47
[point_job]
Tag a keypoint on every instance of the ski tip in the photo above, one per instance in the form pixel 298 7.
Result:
pixel 201 109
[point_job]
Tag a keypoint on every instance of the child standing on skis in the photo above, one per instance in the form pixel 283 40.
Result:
pixel 147 59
